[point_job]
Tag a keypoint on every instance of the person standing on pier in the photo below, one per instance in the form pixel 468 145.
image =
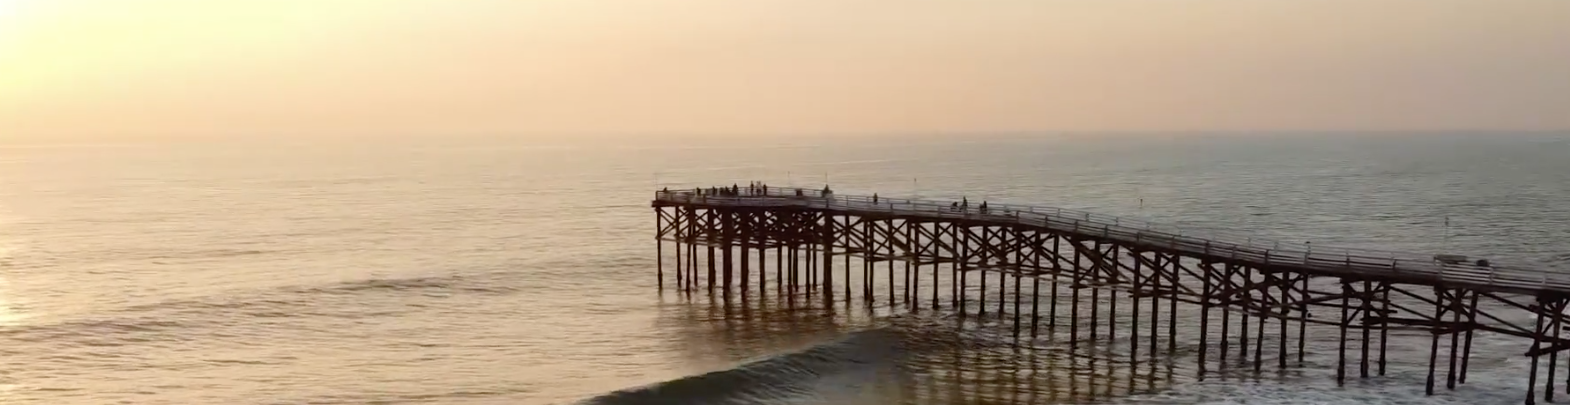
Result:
pixel 874 198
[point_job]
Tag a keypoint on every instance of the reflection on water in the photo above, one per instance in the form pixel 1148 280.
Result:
pixel 10 315
pixel 855 353
pixel 942 358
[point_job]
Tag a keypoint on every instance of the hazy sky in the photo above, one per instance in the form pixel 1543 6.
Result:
pixel 255 67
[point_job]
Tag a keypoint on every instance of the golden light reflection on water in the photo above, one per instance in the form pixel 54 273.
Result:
pixel 9 315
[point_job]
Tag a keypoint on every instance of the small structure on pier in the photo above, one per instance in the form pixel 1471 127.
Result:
pixel 1450 259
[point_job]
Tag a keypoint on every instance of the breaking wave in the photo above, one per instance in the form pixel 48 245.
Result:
pixel 806 373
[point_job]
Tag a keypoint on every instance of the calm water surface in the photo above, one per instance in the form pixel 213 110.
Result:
pixel 495 272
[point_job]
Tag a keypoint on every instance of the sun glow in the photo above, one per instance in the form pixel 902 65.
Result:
pixel 10 20
pixel 85 69
pixel 8 10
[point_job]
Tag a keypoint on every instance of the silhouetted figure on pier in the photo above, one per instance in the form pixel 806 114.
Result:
pixel 874 198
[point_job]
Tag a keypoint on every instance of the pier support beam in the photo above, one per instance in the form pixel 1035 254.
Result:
pixel 727 241
pixel 827 241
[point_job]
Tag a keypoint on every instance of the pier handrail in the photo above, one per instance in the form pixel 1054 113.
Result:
pixel 1258 249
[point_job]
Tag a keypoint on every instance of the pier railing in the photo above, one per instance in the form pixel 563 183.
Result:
pixel 1140 232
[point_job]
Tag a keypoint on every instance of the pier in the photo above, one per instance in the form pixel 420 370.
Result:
pixel 1051 270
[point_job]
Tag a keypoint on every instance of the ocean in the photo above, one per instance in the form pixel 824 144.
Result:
pixel 505 271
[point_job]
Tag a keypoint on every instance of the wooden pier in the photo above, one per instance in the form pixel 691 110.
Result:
pixel 719 233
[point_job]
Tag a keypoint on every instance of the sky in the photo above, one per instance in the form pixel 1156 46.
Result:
pixel 110 69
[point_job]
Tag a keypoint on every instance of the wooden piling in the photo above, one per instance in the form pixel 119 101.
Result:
pixel 931 247
pixel 763 271
pixel 727 240
pixel 1079 282
pixel 1346 305
pixel 1366 309
pixel 679 236
pixel 659 249
pixel 1154 281
pixel 1248 305
pixel 1466 352
pixel 1302 325
pixel 1176 283
pixel 1455 346
pixel 1138 292
pixel 1282 312
pixel 1112 298
pixel 1433 350
pixel 1035 288
pixel 828 259
pixel 1537 344
pixel 1384 326
pixel 1208 291
pixel 1018 261
pixel 981 299
pixel 1227 295
pixel 1052 306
